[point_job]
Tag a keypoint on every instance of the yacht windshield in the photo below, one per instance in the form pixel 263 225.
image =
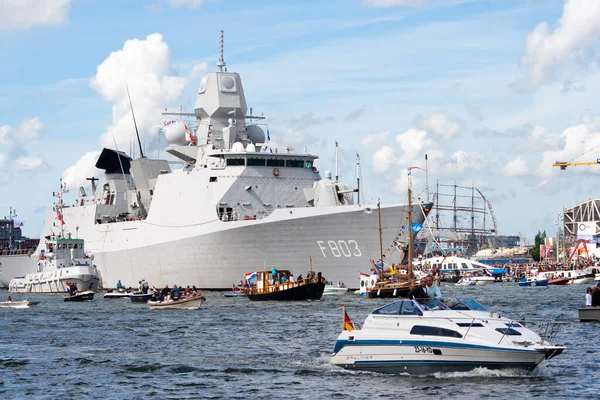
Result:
pixel 472 304
pixel 433 304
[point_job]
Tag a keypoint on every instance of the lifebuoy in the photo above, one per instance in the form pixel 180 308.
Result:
pixel 276 171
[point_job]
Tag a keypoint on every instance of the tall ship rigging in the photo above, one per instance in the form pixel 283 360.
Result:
pixel 235 206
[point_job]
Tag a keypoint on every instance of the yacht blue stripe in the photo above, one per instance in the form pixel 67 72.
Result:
pixel 343 343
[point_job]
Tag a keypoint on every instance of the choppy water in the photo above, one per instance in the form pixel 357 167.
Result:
pixel 234 348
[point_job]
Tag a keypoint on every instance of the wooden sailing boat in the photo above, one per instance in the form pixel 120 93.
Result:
pixel 396 284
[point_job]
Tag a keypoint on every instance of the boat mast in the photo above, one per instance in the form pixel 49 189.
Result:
pixel 410 240
pixel 11 216
pixel 380 238
pixel 134 124
pixel 358 178
pixel 337 170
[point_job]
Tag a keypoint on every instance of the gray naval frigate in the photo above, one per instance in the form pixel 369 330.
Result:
pixel 236 206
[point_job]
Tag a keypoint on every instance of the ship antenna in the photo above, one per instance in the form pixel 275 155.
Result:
pixel 134 123
pixel 221 62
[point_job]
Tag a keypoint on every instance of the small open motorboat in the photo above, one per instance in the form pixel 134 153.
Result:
pixel 428 336
pixel 589 314
pixel 330 289
pixel 561 280
pixel 235 292
pixel 18 304
pixel 140 297
pixel 117 294
pixel 88 295
pixel 533 281
pixel 187 303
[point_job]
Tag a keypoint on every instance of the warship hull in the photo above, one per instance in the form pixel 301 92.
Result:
pixel 212 254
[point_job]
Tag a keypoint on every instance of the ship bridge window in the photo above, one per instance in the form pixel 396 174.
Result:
pixel 308 164
pixel 212 179
pixel 464 265
pixel 235 161
pixel 275 163
pixel 433 331
pixel 259 162
pixel 294 163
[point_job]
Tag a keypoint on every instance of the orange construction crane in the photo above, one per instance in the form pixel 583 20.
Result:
pixel 563 164
pixel 581 242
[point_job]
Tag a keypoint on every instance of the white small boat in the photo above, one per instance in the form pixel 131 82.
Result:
pixel 18 304
pixel 188 303
pixel 466 281
pixel 330 289
pixel 116 294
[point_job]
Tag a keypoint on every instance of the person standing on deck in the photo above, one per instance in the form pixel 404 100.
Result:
pixel 274 274
pixel 596 296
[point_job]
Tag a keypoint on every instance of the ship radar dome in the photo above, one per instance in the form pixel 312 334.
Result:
pixel 250 148
pixel 237 147
pixel 328 174
pixel 175 133
pixel 256 134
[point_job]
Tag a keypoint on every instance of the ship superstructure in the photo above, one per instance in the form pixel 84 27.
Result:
pixel 236 205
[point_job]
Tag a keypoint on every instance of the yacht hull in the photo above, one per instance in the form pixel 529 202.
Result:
pixel 424 357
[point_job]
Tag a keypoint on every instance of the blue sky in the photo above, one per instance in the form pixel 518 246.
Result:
pixel 492 90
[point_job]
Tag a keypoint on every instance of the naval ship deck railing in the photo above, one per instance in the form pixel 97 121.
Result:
pixel 16 252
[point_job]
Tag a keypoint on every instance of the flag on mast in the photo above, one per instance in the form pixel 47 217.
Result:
pixel 347 324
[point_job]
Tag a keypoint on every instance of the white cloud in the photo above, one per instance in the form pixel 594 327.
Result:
pixel 145 67
pixel 578 141
pixel 187 3
pixel 85 167
pixel 30 129
pixel 516 167
pixel 461 161
pixel 413 141
pixel 383 159
pixel 573 41
pixel 24 14
pixel 28 163
pixel 391 3
pixel 14 157
pixel 374 139
pixel 540 139
pixel 440 125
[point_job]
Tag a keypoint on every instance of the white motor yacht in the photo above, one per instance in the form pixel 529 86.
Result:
pixel 421 337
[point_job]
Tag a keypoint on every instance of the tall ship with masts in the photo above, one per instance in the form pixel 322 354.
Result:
pixel 236 205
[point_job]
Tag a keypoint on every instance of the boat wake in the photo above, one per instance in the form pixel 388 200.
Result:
pixel 539 372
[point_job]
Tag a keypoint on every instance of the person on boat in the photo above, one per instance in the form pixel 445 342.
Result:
pixel 175 293
pixel 73 288
pixel 139 287
pixel 588 297
pixel 274 274
pixel 187 291
pixel 145 286
pixel 433 291
pixel 596 296
pixel 119 285
pixel 419 292
pixel 9 299
pixel 164 292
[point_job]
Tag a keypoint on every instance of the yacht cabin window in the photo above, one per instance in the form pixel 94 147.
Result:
pixel 433 331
